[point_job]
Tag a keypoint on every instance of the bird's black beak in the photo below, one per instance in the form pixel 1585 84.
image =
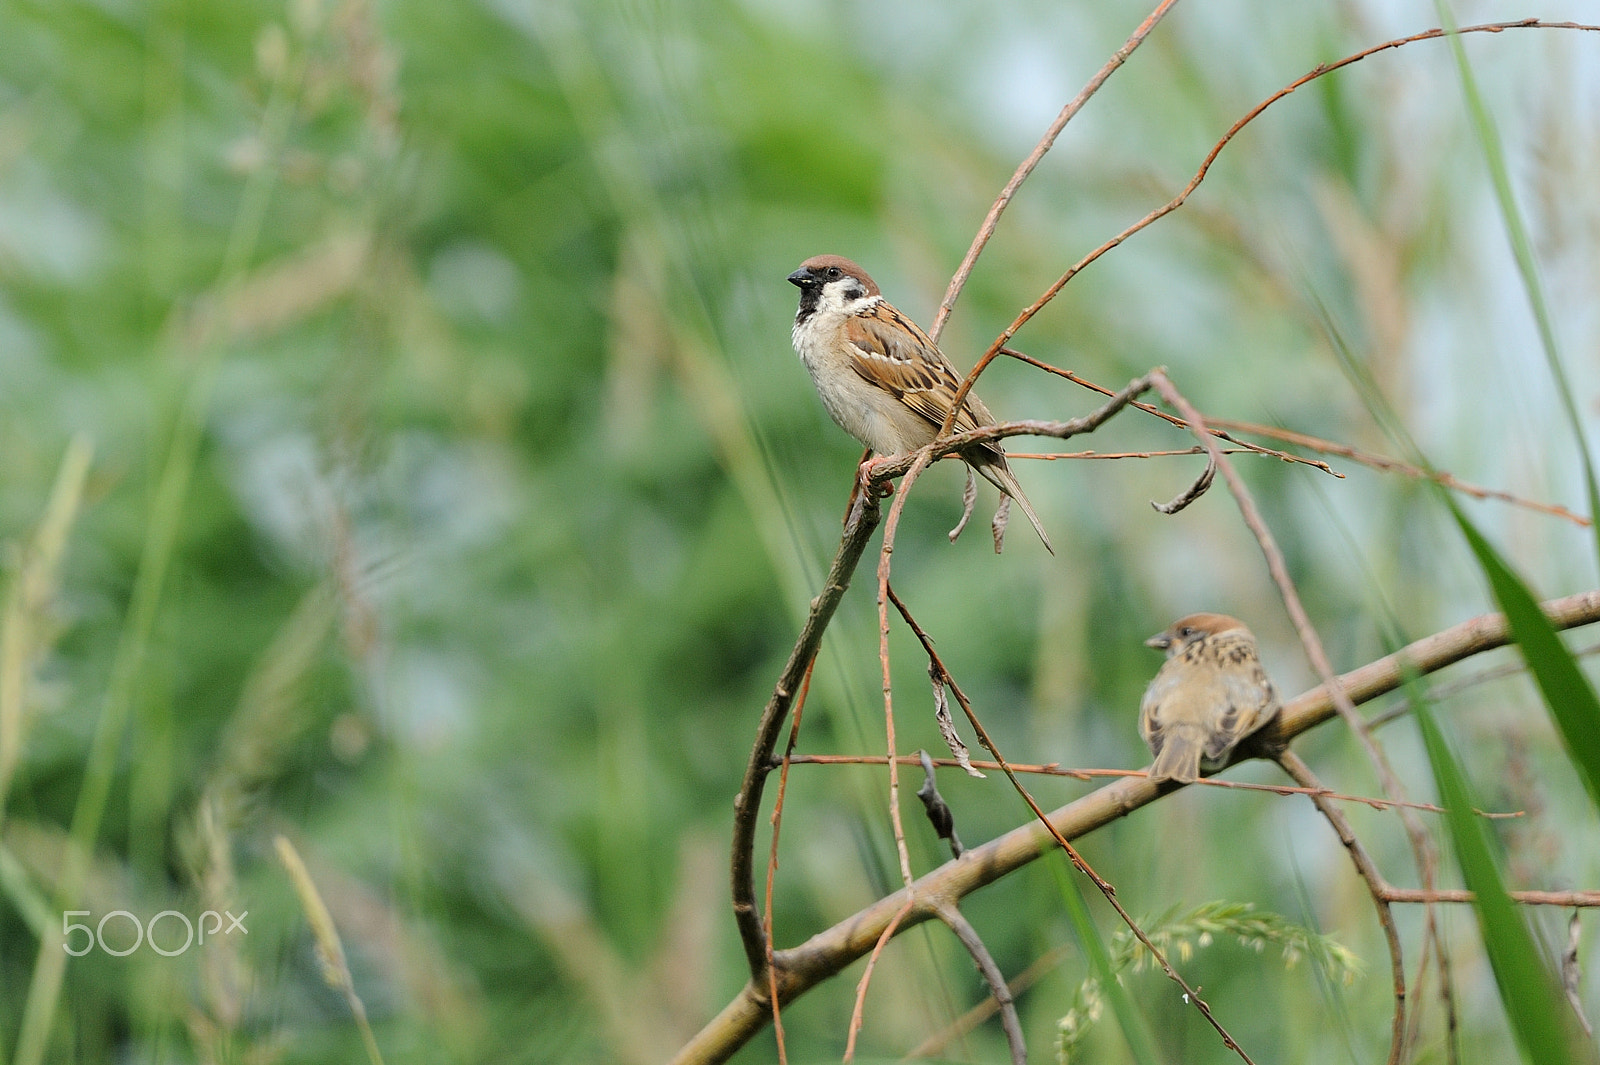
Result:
pixel 1160 641
pixel 802 278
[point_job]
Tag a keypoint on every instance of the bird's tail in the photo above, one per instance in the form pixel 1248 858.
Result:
pixel 1178 759
pixel 997 472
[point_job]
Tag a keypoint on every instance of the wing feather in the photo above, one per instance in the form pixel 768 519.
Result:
pixel 891 352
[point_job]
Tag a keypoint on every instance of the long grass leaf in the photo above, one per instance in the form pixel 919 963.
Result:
pixel 1566 690
pixel 1544 1024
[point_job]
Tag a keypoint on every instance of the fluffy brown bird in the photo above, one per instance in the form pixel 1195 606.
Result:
pixel 880 377
pixel 1209 695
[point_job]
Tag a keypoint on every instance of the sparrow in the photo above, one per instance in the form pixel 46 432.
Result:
pixel 1209 695
pixel 880 377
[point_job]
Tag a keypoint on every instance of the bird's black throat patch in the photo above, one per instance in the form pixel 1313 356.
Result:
pixel 810 296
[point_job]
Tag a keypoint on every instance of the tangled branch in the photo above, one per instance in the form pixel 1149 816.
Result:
pixel 803 967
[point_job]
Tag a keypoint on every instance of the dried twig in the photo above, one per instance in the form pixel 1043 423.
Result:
pixel 1193 492
pixel 1055 769
pixel 1368 871
pixel 1052 456
pixel 957 922
pixel 992 220
pixel 1421 844
pixel 1564 899
pixel 1572 973
pixel 969 499
pixel 857 1012
pixel 1171 418
pixel 1405 469
pixel 939 813
pixel 886 469
pixel 1191 995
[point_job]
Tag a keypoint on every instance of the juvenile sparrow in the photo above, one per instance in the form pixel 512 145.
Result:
pixel 1208 696
pixel 880 377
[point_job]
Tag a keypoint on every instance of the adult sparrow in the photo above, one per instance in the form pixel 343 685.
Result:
pixel 1208 696
pixel 880 377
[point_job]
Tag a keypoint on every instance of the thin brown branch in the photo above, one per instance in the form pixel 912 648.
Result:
pixel 1182 197
pixel 1026 167
pixel 1192 493
pixel 1289 436
pixel 1367 869
pixel 886 469
pixel 1191 995
pixel 998 991
pixel 1405 469
pixel 823 955
pixel 885 593
pixel 858 1011
pixel 1051 456
pixel 1170 418
pixel 1422 846
pixel 1055 769
pixel 1564 899
pixel 970 1020
pixel 862 520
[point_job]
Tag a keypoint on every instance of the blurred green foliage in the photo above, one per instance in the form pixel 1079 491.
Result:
pixel 507 494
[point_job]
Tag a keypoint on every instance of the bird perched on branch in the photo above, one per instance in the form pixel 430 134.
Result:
pixel 880 377
pixel 1210 694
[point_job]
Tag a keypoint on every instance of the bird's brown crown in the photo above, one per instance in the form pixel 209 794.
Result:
pixel 820 267
pixel 1204 625
pixel 1187 630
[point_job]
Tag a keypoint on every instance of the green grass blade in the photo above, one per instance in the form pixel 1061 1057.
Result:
pixel 1522 251
pixel 1566 690
pixel 1544 1024
pixel 1132 1022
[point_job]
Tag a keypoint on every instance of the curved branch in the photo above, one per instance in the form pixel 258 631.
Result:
pixel 858 529
pixel 826 953
pixel 958 923
pixel 992 220
pixel 1182 197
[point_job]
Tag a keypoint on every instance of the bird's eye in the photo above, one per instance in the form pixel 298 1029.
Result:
pixel 834 273
pixel 1186 632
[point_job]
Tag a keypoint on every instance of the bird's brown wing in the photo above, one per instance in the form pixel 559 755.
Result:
pixel 890 351
pixel 1156 706
pixel 1247 694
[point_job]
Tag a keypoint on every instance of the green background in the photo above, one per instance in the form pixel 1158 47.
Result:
pixel 508 493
